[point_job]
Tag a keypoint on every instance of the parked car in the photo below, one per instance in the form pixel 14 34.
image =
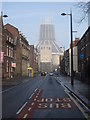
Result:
pixel 43 73
pixel 51 74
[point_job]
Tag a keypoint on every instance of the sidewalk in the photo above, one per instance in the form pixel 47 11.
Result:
pixel 14 81
pixel 81 89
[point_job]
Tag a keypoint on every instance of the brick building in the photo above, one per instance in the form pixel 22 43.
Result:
pixel 22 51
pixel 9 49
pixel 15 33
pixel 24 55
pixel 84 49
pixel 33 58
pixel 66 61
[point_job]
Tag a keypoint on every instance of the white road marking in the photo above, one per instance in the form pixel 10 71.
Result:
pixel 29 109
pixel 36 89
pixel 51 105
pixel 57 106
pixel 13 87
pixel 25 81
pixel 21 108
pixel 31 95
pixel 35 99
pixel 32 103
pixel 7 89
pixel 42 99
pixel 25 115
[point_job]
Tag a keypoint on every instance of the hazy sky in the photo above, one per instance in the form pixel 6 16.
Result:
pixel 26 16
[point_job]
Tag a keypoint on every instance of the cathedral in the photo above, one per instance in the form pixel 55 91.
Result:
pixel 49 51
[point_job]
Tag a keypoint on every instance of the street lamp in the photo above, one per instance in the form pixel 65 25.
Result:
pixel 63 14
pixel 5 16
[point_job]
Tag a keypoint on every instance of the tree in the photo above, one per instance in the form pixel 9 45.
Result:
pixel 85 9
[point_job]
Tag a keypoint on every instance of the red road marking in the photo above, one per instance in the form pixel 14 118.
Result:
pixel 45 103
pixel 32 104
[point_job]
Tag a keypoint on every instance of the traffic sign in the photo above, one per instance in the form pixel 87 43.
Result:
pixel 81 56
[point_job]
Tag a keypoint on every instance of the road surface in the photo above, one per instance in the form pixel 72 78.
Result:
pixel 42 97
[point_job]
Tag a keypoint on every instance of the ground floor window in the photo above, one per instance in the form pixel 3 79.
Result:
pixel 7 66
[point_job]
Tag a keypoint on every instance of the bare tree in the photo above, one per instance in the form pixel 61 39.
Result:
pixel 85 9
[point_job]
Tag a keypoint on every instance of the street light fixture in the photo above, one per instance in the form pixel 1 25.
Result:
pixel 63 14
pixel 5 16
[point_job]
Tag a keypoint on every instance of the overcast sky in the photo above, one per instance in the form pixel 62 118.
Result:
pixel 26 16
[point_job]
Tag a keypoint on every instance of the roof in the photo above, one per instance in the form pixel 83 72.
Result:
pixel 11 26
pixel 55 47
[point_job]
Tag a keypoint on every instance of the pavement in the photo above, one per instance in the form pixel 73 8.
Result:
pixel 16 80
pixel 9 83
pixel 80 89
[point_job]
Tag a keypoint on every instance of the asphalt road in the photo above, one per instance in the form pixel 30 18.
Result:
pixel 41 97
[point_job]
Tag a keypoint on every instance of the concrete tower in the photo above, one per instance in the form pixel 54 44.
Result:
pixel 49 51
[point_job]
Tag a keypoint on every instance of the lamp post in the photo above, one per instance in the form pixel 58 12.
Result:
pixel 1 32
pixel 63 14
pixel 1 59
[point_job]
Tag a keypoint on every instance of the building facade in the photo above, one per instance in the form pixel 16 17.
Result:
pixel 66 61
pixel 83 54
pixel 9 50
pixel 33 58
pixel 15 32
pixel 22 50
pixel 24 55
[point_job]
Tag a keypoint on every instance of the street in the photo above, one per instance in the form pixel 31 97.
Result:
pixel 41 97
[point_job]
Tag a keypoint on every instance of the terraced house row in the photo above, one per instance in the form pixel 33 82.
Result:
pixel 81 58
pixel 16 52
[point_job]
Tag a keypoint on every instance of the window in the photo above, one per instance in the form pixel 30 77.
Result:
pixel 7 67
pixel 15 55
pixel 11 52
pixel 7 38
pixel 7 50
pixel 11 67
pixel 11 40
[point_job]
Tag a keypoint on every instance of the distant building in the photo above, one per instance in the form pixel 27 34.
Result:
pixel 25 50
pixel 33 58
pixel 49 52
pixel 66 59
pixel 75 56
